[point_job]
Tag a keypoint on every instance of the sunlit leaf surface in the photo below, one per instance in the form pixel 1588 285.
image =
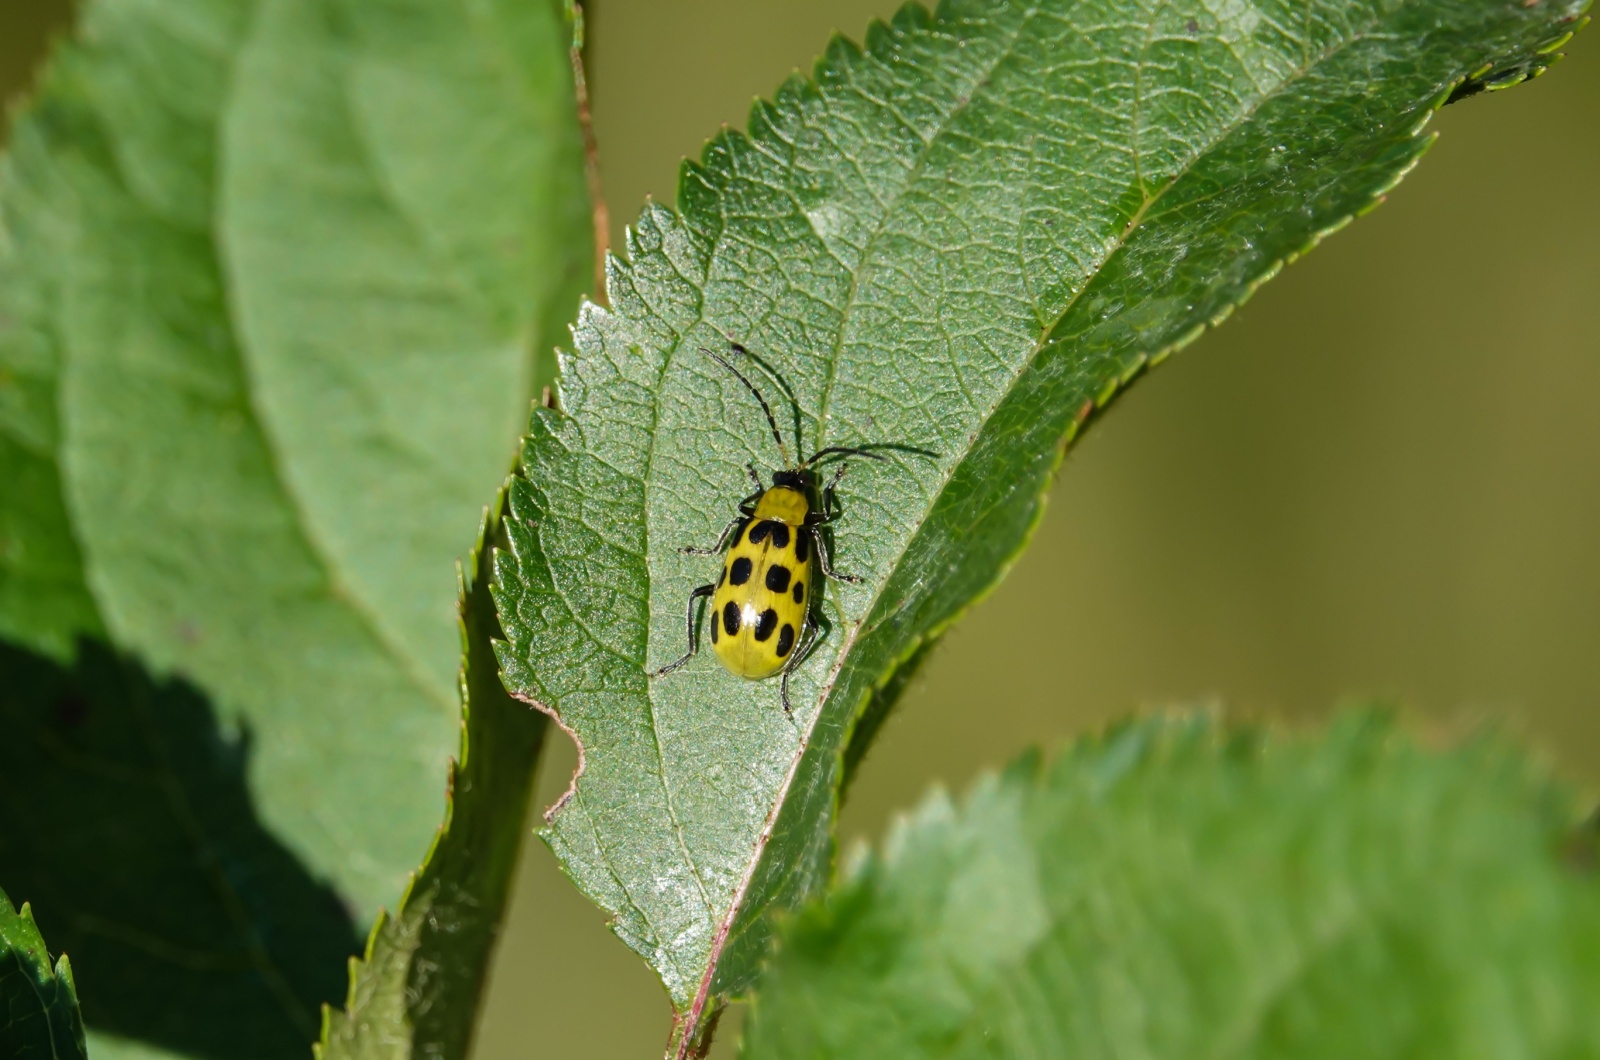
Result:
pixel 964 236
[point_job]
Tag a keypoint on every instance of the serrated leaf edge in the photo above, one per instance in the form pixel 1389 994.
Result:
pixel 467 573
pixel 61 972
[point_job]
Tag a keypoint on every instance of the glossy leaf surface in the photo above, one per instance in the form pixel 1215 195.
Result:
pixel 965 237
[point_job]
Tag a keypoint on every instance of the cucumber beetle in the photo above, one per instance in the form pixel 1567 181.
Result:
pixel 763 606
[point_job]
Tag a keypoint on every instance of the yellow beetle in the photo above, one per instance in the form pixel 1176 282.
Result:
pixel 762 606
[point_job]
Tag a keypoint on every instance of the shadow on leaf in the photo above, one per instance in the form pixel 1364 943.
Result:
pixel 126 819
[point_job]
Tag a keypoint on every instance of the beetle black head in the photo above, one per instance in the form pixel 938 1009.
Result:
pixel 793 478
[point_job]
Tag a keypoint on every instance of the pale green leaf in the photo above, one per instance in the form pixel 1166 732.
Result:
pixel 1179 889
pixel 278 280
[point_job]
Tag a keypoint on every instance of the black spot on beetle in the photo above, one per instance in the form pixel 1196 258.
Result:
pixel 785 640
pixel 766 624
pixel 778 578
pixel 799 592
pixel 780 534
pixel 739 570
pixel 801 543
pixel 730 618
pixel 715 625
pixel 758 531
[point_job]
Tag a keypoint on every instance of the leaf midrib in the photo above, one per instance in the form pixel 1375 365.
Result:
pixel 842 659
pixel 722 921
pixel 212 234
pixel 650 602
pixel 340 589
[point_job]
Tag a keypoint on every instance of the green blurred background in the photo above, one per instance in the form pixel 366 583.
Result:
pixel 1380 478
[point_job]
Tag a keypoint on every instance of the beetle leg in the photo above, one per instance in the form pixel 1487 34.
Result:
pixel 828 499
pixel 694 644
pixel 801 650
pixel 755 476
pixel 825 561
pixel 722 542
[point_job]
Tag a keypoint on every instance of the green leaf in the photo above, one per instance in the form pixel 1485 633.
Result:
pixel 38 1007
pixel 1176 889
pixel 966 237
pixel 130 819
pixel 435 148
pixel 416 993
pixel 274 281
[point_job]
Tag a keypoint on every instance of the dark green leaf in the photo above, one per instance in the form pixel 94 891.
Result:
pixel 416 993
pixel 274 279
pixel 1175 889
pixel 130 821
pixel 965 236
pixel 38 1007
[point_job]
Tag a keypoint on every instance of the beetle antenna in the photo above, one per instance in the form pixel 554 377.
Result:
pixel 840 450
pixel 772 421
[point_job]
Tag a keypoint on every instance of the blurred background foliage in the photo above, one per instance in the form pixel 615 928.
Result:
pixel 1381 477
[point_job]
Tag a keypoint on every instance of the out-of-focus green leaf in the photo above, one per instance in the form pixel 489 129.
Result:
pixel 38 1006
pixel 416 993
pixel 276 282
pixel 965 237
pixel 1177 889
pixel 129 809
pixel 431 153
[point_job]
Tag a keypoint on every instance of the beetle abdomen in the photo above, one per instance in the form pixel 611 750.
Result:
pixel 759 608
